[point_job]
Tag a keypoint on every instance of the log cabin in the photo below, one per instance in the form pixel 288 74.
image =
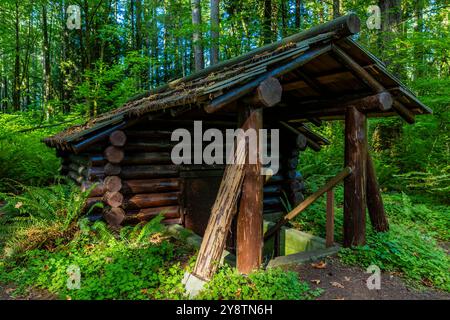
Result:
pixel 293 85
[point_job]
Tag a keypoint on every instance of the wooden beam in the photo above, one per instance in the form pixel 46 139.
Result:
pixel 359 71
pixel 355 184
pixel 308 201
pixel 267 94
pixel 374 201
pixel 300 139
pixel 239 92
pixel 321 108
pixel 376 86
pixel 403 112
pixel 250 216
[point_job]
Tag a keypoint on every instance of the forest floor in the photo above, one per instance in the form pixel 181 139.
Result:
pixel 338 282
pixel 342 282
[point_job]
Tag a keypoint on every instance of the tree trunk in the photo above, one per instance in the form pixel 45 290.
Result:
pixel 197 35
pixel 46 54
pixel 298 14
pixel 336 8
pixel 267 22
pixel 214 31
pixel 17 82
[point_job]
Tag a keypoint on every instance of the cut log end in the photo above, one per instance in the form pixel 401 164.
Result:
pixel 118 138
pixel 114 216
pixel 113 199
pixel 113 184
pixel 114 154
pixel 269 92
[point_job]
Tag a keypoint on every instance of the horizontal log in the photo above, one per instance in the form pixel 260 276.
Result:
pixel 149 200
pixel 404 112
pixel 111 169
pixel 313 145
pixel 149 134
pixel 300 139
pixel 150 186
pixel 272 201
pixel 172 221
pixel 149 146
pixel 271 190
pixel 237 93
pixel 94 173
pixel 146 214
pixel 147 158
pixel 153 171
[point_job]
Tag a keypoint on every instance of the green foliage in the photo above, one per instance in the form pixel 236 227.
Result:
pixel 410 247
pixel 416 255
pixel 23 157
pixel 272 284
pixel 108 87
pixel 41 217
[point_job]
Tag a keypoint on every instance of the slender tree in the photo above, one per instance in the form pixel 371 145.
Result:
pixel 17 81
pixel 298 14
pixel 197 35
pixel 267 22
pixel 214 32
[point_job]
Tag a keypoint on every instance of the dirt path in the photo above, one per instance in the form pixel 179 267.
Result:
pixel 349 283
pixel 35 294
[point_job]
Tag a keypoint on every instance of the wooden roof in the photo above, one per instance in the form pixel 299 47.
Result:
pixel 312 76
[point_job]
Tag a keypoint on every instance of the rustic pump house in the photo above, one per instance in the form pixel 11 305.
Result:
pixel 317 75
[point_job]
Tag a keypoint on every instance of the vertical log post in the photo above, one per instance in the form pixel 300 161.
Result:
pixel 355 183
pixel 250 216
pixel 330 219
pixel 374 200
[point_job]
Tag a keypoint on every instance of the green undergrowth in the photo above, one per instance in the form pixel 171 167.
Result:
pixel 45 241
pixel 23 156
pixel 413 247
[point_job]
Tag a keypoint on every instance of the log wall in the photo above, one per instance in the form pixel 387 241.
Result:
pixel 135 179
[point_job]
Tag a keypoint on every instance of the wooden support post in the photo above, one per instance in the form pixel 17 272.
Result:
pixel 355 184
pixel 222 213
pixel 308 201
pixel 250 217
pixel 330 219
pixel 374 200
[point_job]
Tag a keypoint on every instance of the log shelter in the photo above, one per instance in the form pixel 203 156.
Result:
pixel 293 85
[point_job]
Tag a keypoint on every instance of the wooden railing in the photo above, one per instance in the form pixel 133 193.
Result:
pixel 328 188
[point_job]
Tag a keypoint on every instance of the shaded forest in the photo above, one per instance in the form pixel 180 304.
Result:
pixel 54 75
